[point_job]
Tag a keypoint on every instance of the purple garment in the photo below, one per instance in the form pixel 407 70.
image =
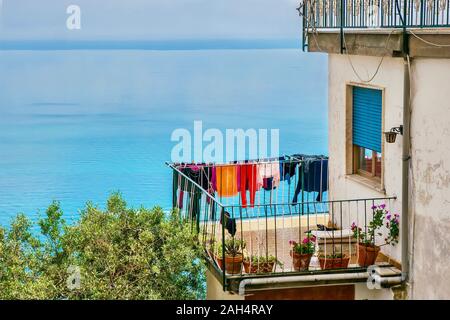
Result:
pixel 214 178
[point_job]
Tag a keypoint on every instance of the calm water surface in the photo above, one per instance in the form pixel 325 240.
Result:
pixel 77 125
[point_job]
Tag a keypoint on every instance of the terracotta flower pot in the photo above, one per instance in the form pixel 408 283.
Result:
pixel 219 262
pixel 333 263
pixel 233 264
pixel 367 255
pixel 301 261
pixel 263 267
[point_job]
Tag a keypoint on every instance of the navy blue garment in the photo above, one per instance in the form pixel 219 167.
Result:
pixel 230 223
pixel 287 169
pixel 315 178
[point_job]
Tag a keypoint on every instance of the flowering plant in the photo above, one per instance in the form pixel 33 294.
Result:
pixel 307 246
pixel 380 214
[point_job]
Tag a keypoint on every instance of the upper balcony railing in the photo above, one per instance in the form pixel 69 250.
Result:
pixel 373 14
pixel 291 207
pixel 320 14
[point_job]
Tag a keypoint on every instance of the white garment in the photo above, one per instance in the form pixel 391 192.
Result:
pixel 269 170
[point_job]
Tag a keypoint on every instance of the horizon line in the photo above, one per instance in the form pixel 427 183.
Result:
pixel 157 45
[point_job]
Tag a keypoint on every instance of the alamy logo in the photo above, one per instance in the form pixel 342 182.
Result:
pixel 73 22
pixel 73 281
pixel 213 146
pixel 374 280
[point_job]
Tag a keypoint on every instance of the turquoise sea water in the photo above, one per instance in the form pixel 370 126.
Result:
pixel 79 124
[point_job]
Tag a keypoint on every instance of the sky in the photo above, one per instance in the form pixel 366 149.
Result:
pixel 150 19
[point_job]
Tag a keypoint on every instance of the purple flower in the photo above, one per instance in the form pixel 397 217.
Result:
pixel 388 217
pixel 373 207
pixel 383 206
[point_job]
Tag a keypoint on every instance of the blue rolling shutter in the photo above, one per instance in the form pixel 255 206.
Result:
pixel 367 118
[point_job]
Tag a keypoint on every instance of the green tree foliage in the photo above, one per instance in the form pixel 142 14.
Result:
pixel 119 253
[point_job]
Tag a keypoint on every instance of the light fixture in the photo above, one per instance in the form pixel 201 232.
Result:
pixel 392 135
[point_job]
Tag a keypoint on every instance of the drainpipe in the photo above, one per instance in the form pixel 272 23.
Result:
pixel 342 26
pixel 406 144
pixel 351 277
pixel 388 281
pixel 405 168
pixel 305 278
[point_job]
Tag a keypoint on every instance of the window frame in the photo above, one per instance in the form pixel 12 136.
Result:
pixel 353 151
pixel 356 163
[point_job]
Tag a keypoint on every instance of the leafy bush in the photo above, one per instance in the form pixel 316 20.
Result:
pixel 119 253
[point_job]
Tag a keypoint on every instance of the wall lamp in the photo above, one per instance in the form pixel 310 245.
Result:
pixel 392 135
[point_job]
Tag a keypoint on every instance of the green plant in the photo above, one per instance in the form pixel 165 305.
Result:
pixel 335 255
pixel 260 260
pixel 380 213
pixel 120 253
pixel 234 247
pixel 393 225
pixel 306 247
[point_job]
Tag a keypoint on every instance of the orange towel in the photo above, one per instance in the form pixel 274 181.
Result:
pixel 226 182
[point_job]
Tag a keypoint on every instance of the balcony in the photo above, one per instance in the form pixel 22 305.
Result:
pixel 270 224
pixel 419 28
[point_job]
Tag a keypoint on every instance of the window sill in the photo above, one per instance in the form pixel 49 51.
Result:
pixel 367 182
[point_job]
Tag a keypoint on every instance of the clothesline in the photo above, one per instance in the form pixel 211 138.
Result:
pixel 243 179
pixel 292 158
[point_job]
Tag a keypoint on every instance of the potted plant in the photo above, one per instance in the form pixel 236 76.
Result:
pixel 234 255
pixel 261 264
pixel 336 260
pixel 216 252
pixel 301 253
pixel 367 248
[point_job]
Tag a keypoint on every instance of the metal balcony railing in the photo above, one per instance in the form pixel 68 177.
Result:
pixel 270 225
pixel 354 14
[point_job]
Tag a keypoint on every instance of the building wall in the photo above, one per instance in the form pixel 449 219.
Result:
pixel 430 150
pixel 389 78
pixel 431 178
pixel 214 290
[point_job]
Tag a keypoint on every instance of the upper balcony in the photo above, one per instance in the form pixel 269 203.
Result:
pixel 247 235
pixel 419 28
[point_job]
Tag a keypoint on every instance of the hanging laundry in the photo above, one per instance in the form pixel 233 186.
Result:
pixel 226 180
pixel 287 169
pixel 194 195
pixel 200 174
pixel 269 170
pixel 268 184
pixel 315 177
pixel 247 181
pixel 229 223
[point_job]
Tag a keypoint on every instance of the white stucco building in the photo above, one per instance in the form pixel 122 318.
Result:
pixel 410 68
pixel 389 143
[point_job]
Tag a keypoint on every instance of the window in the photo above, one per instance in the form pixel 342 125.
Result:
pixel 367 132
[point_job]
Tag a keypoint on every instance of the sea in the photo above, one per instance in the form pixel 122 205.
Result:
pixel 78 123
